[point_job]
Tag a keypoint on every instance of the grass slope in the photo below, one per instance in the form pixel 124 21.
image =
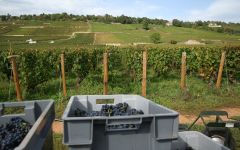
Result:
pixel 45 31
pixel 134 33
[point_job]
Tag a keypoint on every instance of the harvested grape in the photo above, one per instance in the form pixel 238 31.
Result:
pixel 120 109
pixel 12 134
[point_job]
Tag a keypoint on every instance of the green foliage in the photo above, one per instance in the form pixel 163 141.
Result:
pixel 177 23
pixel 134 63
pixel 81 65
pixel 145 25
pixel 84 61
pixel 4 65
pixel 162 61
pixel 233 63
pixel 36 67
pixel 155 37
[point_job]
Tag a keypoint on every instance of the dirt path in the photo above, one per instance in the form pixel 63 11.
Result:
pixel 232 111
pixel 57 127
pixel 4 27
pixel 183 118
pixel 95 37
pixel 15 35
pixel 89 26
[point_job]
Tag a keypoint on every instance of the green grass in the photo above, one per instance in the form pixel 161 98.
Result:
pixel 51 28
pixel 236 136
pixel 198 97
pixel 22 39
pixel 231 26
pixel 43 42
pixel 184 34
pixel 58 31
pixel 83 38
pixel 7 90
pixel 134 33
pixel 122 33
pixel 57 142
pixel 102 27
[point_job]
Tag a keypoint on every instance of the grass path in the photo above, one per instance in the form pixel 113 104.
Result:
pixel 89 26
pixel 95 37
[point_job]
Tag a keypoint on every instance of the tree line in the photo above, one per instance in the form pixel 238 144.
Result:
pixel 225 27
pixel 96 18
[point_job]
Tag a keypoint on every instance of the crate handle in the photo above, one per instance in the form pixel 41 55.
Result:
pixel 20 108
pixel 105 101
pixel 123 124
pixel 14 104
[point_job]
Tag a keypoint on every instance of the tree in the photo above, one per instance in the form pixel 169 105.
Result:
pixel 145 25
pixel 3 18
pixel 177 23
pixel 155 38
pixel 199 23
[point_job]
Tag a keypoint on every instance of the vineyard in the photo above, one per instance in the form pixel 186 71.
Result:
pixel 81 75
pixel 37 67
pixel 74 34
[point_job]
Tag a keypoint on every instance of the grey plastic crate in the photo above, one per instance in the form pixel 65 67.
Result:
pixel 155 130
pixel 40 114
pixel 196 141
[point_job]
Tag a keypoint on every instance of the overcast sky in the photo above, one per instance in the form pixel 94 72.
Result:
pixel 188 10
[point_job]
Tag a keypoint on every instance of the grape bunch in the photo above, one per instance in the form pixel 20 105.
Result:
pixel 120 109
pixel 12 134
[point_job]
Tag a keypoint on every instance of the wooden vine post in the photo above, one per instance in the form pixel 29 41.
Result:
pixel 63 76
pixel 144 75
pixel 219 79
pixel 105 73
pixel 183 71
pixel 12 59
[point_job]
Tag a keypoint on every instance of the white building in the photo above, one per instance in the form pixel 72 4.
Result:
pixel 214 25
pixel 115 23
pixel 169 23
pixel 30 41
pixel 113 44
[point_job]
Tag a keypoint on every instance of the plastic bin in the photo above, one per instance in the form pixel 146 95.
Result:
pixel 155 130
pixel 40 114
pixel 197 141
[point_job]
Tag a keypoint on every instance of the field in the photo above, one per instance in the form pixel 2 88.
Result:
pixel 60 32
pixel 135 34
pixel 39 68
pixel 72 34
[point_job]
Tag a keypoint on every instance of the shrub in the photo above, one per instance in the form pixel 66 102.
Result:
pixel 145 25
pixel 155 38
pixel 173 42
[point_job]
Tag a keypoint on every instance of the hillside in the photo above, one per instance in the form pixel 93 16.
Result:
pixel 55 34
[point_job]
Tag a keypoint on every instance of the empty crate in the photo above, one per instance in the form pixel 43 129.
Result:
pixel 192 140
